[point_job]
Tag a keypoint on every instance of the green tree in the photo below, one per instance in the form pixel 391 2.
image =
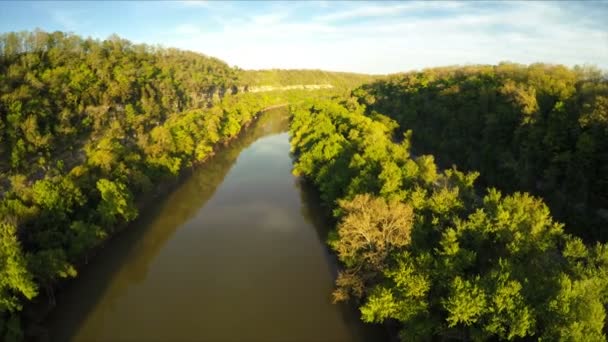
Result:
pixel 116 201
pixel 15 279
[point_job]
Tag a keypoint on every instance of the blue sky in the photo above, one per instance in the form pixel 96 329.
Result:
pixel 371 37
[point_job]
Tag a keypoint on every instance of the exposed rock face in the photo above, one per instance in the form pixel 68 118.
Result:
pixel 215 94
pixel 260 89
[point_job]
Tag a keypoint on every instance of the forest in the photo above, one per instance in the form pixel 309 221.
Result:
pixel 428 252
pixel 470 203
pixel 279 77
pixel 538 128
pixel 87 129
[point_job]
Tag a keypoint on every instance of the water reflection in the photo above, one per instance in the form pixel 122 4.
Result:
pixel 232 254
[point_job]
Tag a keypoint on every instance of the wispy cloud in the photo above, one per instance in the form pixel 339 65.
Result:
pixel 194 3
pixel 382 10
pixel 375 37
pixel 269 19
pixel 65 18
pixel 402 36
pixel 188 29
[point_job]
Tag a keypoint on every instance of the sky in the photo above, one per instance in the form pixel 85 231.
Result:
pixel 369 37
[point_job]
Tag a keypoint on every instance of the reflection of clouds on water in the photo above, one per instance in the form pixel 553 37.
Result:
pixel 266 163
pixel 275 145
pixel 261 216
pixel 229 241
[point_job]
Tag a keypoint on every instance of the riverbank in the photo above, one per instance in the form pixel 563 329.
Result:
pixel 324 218
pixel 236 241
pixel 37 311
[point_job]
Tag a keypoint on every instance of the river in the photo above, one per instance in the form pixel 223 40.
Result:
pixel 235 252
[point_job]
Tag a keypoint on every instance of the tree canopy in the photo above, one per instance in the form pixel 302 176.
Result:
pixel 429 249
pixel 87 129
pixel 448 185
pixel 539 128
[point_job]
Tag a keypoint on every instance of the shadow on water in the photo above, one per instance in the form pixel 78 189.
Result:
pixel 234 252
pixel 125 259
pixel 320 216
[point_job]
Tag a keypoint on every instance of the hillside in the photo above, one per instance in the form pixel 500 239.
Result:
pixel 432 253
pixel 281 78
pixel 469 203
pixel 88 128
pixel 540 128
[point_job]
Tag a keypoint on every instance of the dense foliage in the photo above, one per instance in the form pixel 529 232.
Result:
pixel 278 77
pixel 87 129
pixel 62 214
pixel 539 128
pixel 424 248
pixel 57 88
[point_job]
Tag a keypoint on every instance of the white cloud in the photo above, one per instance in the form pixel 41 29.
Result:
pixel 520 32
pixel 269 19
pixel 194 3
pixel 187 29
pixel 65 18
pixel 322 4
pixel 384 10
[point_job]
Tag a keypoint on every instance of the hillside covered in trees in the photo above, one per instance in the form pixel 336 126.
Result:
pixel 448 185
pixel 538 128
pixel 278 77
pixel 88 127
pixel 429 250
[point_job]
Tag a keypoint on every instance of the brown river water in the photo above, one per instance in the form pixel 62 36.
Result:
pixel 234 252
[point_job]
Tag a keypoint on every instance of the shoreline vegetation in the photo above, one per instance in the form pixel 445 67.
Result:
pixel 36 312
pixel 88 126
pixel 423 248
pixel 89 129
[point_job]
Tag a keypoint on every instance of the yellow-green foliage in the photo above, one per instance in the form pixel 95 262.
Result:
pixel 539 128
pixel 461 265
pixel 86 128
pixel 280 77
